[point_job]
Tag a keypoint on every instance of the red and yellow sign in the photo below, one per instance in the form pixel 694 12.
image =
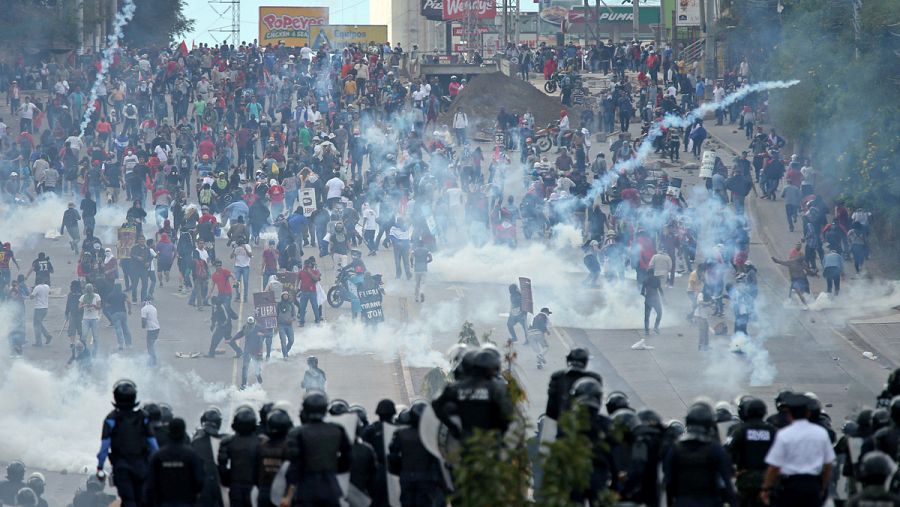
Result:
pixel 292 25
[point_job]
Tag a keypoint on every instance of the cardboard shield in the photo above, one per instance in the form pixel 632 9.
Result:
pixel 393 481
pixel 436 439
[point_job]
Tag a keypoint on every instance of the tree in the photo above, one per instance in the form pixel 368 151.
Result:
pixel 38 25
pixel 157 23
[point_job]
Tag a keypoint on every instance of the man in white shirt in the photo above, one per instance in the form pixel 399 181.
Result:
pixel 334 187
pixel 460 124
pixel 370 219
pixel 41 296
pixel 26 115
pixel 150 322
pixel 802 456
pixel 242 254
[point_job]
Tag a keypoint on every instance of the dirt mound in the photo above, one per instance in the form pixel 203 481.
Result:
pixel 485 94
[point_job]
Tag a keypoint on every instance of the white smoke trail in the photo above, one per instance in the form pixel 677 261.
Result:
pixel 123 17
pixel 673 120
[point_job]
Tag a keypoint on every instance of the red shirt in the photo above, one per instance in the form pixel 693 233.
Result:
pixel 308 279
pixel 220 278
pixel 276 194
pixel 206 147
pixel 270 259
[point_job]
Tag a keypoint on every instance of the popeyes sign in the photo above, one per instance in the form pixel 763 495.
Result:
pixel 289 24
pixel 459 9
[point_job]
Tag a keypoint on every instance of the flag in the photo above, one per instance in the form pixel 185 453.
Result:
pixel 183 48
pixel 193 45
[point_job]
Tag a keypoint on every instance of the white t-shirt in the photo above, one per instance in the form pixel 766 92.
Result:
pixel 41 295
pixel 3 129
pixel 148 313
pixel 91 312
pixel 242 256
pixel 801 448
pixel 203 254
pixel 335 186
pixel 369 216
pixel 153 256
pixel 305 53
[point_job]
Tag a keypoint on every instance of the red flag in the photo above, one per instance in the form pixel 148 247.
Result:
pixel 183 48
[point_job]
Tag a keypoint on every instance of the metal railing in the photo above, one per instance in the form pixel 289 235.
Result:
pixel 693 52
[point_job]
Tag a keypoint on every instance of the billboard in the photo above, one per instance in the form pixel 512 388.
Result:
pixel 433 10
pixel 459 9
pixel 616 15
pixel 340 36
pixel 289 24
pixel 687 12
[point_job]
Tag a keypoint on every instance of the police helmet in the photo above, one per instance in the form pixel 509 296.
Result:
pixel 625 419
pixel 782 397
pixel 244 420
pixel 875 467
pixel 415 412
pixel 753 408
pixel 615 401
pixel 674 428
pixel 360 412
pixel 315 405
pixel 15 471
pixel 467 365
pixel 649 418
pixel 577 358
pixel 404 418
pixel 864 423
pixel 26 498
pixel 895 409
pixel 386 409
pixel 166 412
pixel 486 364
pixel 700 415
pixel 893 382
pixel 37 483
pixel 211 418
pixel 723 412
pixel 264 412
pixel 355 254
pixel 587 391
pixel 850 428
pixel 338 407
pixel 880 419
pixel 278 423
pixel 152 412
pixel 251 320
pixel 125 394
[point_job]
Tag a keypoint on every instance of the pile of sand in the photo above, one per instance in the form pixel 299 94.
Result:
pixel 485 94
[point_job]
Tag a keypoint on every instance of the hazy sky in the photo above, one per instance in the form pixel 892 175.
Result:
pixel 341 12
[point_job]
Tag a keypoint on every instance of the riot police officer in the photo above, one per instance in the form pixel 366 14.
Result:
pixel 38 484
pixel 874 470
pixel 318 451
pixel 92 495
pixel 887 440
pixel 748 444
pixel 642 482
pixel 364 465
pixel 15 480
pixel 587 392
pixel 128 440
pixel 479 401
pixel 617 400
pixel 781 418
pixel 697 470
pixel 202 443
pixel 561 382
pixel 26 497
pixel 238 457
pixel 273 452
pixel 176 472
pixel 374 435
pixel 891 389
pixel 421 484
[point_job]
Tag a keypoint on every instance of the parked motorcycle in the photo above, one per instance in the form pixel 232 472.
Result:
pixel 545 138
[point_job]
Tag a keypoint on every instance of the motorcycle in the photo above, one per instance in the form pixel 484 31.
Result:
pixel 342 290
pixel 556 79
pixel 545 138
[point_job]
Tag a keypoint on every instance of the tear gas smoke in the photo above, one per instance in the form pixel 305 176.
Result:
pixel 123 17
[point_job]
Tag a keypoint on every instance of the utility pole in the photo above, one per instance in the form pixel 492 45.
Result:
pixel 636 22
pixel 709 52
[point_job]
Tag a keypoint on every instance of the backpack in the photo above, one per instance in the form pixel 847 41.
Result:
pixel 205 196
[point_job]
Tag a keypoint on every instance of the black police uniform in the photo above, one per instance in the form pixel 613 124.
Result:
pixel 604 470
pixel 373 435
pixel 237 460
pixel 175 477
pixel 128 438
pixel 202 443
pixel 558 391
pixel 748 445
pixel 479 402
pixel 273 452
pixel 319 451
pixel 8 490
pixel 419 470
pixel 642 483
pixel 696 470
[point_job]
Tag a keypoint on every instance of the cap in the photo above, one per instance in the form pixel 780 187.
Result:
pixel 546 310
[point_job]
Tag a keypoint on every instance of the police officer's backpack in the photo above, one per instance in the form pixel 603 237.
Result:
pixel 128 436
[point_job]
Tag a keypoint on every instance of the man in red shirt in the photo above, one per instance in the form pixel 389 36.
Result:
pixel 206 147
pixel 308 277
pixel 276 197
pixel 222 280
pixel 269 263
